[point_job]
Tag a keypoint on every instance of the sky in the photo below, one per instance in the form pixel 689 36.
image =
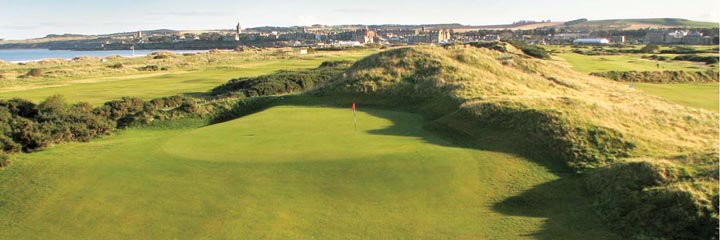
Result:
pixel 22 19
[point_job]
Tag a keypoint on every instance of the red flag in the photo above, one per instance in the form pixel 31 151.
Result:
pixel 353 107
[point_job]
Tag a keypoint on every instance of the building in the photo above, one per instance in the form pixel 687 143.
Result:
pixel 419 38
pixel 591 41
pixel 693 38
pixel 675 37
pixel 618 39
pixel 364 36
pixel 656 36
pixel 491 38
pixel 347 43
pixel 440 36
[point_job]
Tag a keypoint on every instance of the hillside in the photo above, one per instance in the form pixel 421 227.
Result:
pixel 642 155
pixel 634 24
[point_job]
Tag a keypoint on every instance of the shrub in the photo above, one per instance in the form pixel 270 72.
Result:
pixel 116 66
pixel 149 68
pixel 531 50
pixel 282 82
pixel 497 46
pixel 660 77
pixel 35 72
pixel 649 48
pixel 695 58
pixel 684 50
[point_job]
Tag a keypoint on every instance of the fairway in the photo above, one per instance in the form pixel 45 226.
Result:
pixel 294 173
pixel 97 90
pixel 626 62
pixel 699 95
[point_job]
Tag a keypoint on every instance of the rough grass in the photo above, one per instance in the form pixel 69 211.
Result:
pixel 298 173
pixel 477 77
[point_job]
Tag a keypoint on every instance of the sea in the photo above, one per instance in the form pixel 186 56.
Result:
pixel 28 55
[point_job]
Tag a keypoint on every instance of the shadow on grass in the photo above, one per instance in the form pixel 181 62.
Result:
pixel 563 202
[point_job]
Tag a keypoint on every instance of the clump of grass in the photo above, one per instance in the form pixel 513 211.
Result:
pixel 4 160
pixel 116 66
pixel 162 55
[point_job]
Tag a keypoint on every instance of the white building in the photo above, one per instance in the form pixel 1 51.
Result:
pixel 591 41
pixel 348 43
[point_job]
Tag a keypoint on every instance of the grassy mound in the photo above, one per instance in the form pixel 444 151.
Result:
pixel 588 122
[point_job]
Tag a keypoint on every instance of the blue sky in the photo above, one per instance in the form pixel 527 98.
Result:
pixel 21 19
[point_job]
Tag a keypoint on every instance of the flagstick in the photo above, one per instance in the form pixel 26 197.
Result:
pixel 355 119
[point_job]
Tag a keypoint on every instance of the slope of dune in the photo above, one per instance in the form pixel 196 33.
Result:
pixel 643 155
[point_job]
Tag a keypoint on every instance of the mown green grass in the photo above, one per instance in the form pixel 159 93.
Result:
pixel 99 90
pixel 625 62
pixel 293 173
pixel 704 95
pixel 699 95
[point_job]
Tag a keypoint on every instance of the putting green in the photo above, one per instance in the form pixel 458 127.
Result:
pixel 292 173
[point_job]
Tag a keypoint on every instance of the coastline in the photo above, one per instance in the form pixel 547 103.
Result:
pixel 71 54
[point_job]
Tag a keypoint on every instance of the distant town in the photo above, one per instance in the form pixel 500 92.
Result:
pixel 580 31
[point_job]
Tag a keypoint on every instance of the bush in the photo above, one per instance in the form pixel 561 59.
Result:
pixel 497 46
pixel 660 77
pixel 649 48
pixel 35 72
pixel 684 50
pixel 282 82
pixel 149 68
pixel 531 50
pixel 656 57
pixel 116 66
pixel 695 58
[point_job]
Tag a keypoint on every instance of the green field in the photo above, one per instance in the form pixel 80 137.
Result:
pixel 294 173
pixel 625 62
pixel 97 90
pixel 699 95
pixel 703 95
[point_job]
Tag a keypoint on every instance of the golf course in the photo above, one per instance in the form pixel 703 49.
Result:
pixel 293 172
pixel 455 142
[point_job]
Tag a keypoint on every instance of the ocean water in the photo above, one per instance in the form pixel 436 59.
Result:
pixel 25 55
